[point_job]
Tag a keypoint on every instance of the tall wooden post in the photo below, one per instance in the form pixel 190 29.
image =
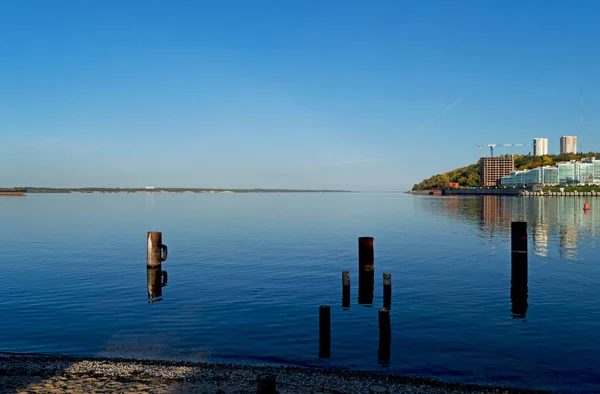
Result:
pixel 324 331
pixel 156 252
pixel 519 270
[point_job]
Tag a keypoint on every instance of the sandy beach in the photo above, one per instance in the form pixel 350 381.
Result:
pixel 61 374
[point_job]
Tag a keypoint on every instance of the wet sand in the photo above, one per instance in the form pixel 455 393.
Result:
pixel 61 374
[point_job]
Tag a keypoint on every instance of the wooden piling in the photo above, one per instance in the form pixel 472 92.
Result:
pixel 387 290
pixel 366 254
pixel 519 270
pixel 267 384
pixel 156 252
pixel 385 336
pixel 345 289
pixel 324 331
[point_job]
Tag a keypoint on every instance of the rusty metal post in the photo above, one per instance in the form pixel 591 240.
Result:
pixel 267 384
pixel 387 290
pixel 519 270
pixel 324 331
pixel 156 252
pixel 346 289
pixel 385 336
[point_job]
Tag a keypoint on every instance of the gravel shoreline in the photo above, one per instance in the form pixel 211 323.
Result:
pixel 21 373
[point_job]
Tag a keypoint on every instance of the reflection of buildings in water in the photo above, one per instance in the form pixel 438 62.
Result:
pixel 540 229
pixel 568 228
pixel 540 239
pixel 547 218
pixel 495 212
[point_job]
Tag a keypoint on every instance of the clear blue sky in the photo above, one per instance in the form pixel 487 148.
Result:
pixel 361 95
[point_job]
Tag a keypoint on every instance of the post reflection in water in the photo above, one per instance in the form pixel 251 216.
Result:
pixel 366 279
pixel 156 280
pixel 518 285
pixel 385 337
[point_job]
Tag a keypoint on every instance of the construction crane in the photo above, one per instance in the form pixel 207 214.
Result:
pixel 492 146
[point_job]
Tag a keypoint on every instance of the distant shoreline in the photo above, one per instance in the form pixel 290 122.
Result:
pixel 88 190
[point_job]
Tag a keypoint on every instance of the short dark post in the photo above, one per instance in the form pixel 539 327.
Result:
pixel 366 254
pixel 385 336
pixel 387 290
pixel 518 270
pixel 324 331
pixel 157 252
pixel 345 289
pixel 267 384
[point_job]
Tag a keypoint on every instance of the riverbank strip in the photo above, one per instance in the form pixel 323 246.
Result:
pixel 22 373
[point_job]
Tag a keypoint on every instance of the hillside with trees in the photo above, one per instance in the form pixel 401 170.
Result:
pixel 469 176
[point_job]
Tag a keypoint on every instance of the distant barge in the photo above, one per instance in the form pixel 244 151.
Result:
pixel 12 192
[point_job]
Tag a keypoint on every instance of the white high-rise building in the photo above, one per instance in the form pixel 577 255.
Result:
pixel 540 146
pixel 568 144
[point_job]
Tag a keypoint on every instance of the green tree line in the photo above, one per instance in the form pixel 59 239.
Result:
pixel 469 176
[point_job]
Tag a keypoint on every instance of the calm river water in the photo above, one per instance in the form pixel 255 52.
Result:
pixel 246 274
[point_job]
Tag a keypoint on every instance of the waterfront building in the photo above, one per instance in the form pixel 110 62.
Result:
pixel 584 172
pixel 596 164
pixel 568 144
pixel 515 178
pixel 550 175
pixel 540 146
pixel 492 169
pixel 537 176
pixel 587 172
pixel 566 173
pixel 532 177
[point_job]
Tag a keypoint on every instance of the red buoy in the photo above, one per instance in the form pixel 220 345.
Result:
pixel 586 207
